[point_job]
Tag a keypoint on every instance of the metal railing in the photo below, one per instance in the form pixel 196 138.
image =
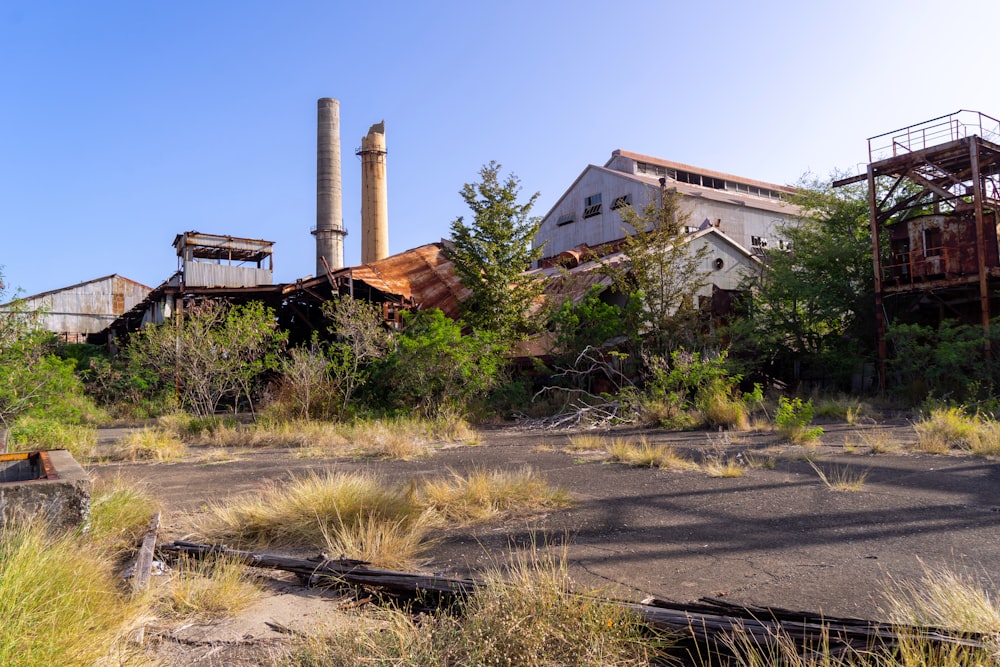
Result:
pixel 940 130
pixel 917 265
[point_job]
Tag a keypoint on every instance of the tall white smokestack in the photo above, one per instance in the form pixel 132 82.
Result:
pixel 329 207
pixel 374 196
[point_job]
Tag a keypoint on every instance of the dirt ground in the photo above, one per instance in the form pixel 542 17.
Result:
pixel 776 536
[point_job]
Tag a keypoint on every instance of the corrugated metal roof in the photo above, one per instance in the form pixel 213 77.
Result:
pixel 424 275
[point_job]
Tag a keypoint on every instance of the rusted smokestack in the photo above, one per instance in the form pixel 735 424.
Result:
pixel 374 197
pixel 329 230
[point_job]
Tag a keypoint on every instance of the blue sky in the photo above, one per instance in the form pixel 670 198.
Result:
pixel 125 123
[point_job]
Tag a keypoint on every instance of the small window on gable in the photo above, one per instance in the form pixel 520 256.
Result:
pixel 758 242
pixel 565 219
pixel 592 206
pixel 624 200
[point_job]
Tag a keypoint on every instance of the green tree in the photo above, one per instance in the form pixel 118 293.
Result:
pixel 435 369
pixel 213 353
pixel 33 379
pixel 812 306
pixel 663 274
pixel 360 338
pixel 491 254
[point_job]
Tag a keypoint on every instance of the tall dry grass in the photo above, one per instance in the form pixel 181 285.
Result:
pixel 527 614
pixel 485 495
pixel 60 601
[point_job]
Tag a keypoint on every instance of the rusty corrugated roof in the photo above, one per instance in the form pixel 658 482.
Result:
pixel 424 275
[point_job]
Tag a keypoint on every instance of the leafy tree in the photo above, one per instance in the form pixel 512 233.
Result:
pixel 945 361
pixel 435 369
pixel 590 322
pixel 491 254
pixel 663 274
pixel 215 352
pixel 360 339
pixel 32 376
pixel 812 306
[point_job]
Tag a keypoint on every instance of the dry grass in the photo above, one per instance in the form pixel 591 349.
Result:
pixel 119 514
pixel 724 466
pixel 647 455
pixel 585 442
pixel 944 429
pixel 149 444
pixel 208 588
pixel 873 440
pixel 527 614
pixel 60 602
pixel 840 479
pixel 393 544
pixel 947 599
pixel 302 511
pixel 759 460
pixel 486 495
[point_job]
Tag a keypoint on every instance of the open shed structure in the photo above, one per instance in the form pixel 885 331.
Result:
pixel 934 196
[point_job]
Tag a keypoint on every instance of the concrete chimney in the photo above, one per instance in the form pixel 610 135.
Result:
pixel 329 230
pixel 374 196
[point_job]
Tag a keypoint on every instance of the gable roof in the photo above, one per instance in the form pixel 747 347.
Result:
pixel 686 189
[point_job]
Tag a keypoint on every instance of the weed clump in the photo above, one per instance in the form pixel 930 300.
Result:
pixel 793 419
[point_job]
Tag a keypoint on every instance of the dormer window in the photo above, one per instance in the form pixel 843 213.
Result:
pixel 620 202
pixel 592 206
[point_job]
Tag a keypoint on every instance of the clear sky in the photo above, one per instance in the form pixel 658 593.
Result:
pixel 123 123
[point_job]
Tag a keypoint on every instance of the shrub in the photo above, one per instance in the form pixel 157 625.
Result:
pixel 436 370
pixel 30 433
pixel 793 418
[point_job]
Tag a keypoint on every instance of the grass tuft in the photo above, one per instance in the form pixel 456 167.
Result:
pixel 119 514
pixel 209 588
pixel 840 479
pixel 60 602
pixel 149 444
pixel 300 512
pixel 484 495
pixel 527 614
pixel 645 454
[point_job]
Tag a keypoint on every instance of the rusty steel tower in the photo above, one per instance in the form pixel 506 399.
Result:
pixel 934 198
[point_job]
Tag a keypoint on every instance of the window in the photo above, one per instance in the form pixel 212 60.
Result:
pixel 932 242
pixel 624 200
pixel 565 219
pixel 758 242
pixel 592 206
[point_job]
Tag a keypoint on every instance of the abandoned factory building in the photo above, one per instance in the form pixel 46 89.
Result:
pixel 751 213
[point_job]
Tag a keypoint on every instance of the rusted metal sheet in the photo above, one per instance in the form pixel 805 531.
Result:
pixel 423 275
pixel 937 247
pixel 85 308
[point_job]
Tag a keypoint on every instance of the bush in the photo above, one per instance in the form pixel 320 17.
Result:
pixel 691 389
pixel 31 433
pixel 436 370
pixel 793 418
